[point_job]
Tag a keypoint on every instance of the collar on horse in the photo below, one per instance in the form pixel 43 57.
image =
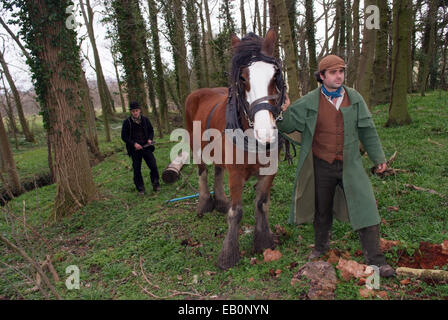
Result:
pixel 237 105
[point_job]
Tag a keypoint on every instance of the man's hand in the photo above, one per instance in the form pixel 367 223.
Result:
pixel 286 103
pixel 381 167
pixel 149 141
pixel 137 146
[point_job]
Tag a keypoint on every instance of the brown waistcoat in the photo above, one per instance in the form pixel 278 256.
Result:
pixel 328 140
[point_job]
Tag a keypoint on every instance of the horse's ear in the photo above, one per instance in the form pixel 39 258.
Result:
pixel 235 40
pixel 269 42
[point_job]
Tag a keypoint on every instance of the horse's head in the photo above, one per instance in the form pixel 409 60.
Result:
pixel 259 83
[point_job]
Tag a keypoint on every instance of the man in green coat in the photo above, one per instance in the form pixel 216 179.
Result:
pixel 329 122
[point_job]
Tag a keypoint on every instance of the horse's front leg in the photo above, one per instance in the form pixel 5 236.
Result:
pixel 230 252
pixel 263 238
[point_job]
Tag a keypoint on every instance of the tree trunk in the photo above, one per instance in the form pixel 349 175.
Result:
pixel 183 79
pixel 119 83
pixel 243 19
pixel 292 13
pixel 10 113
pixel 288 46
pixel 398 109
pixel 257 21
pixel 25 128
pixel 381 87
pixel 430 49
pixel 8 164
pixel 213 70
pixel 443 82
pixel 160 85
pixel 353 61
pixel 56 67
pixel 195 41
pixel 89 112
pixel 205 53
pixel 131 50
pixel 311 40
pixel 274 23
pixel 265 16
pixel 103 89
pixel 337 28
pixel 365 67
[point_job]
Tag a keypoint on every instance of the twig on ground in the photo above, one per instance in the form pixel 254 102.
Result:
pixel 39 287
pixel 35 265
pixel 411 186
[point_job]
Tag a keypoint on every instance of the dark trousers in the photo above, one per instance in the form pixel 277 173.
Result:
pixel 326 178
pixel 148 156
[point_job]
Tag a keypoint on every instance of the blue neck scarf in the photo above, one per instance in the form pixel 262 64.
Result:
pixel 333 94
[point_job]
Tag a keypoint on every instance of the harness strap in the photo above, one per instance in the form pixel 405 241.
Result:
pixel 210 115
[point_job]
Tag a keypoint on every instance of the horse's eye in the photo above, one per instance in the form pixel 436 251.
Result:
pixel 242 79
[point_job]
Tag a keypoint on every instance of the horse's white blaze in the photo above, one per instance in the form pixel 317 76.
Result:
pixel 260 74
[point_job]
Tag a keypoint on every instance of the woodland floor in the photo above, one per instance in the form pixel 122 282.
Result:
pixel 130 247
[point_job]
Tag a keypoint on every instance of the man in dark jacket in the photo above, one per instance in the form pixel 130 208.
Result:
pixel 138 134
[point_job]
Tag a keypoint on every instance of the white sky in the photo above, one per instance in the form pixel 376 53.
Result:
pixel 22 75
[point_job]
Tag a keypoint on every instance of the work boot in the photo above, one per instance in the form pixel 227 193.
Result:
pixel 321 244
pixel 370 242
pixel 156 187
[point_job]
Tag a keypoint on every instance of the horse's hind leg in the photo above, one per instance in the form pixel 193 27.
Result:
pixel 263 238
pixel 222 204
pixel 205 199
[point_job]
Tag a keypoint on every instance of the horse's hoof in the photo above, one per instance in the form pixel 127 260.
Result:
pixel 222 205
pixel 227 260
pixel 205 206
pixel 263 242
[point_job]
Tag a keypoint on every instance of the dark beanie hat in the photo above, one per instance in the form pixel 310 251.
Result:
pixel 134 105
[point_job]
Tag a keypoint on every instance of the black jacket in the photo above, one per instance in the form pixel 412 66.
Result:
pixel 126 135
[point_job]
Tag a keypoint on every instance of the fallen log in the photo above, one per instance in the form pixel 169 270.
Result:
pixel 423 273
pixel 172 172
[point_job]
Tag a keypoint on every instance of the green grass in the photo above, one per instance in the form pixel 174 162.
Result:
pixel 108 238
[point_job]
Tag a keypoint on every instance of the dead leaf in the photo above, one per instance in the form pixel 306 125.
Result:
pixel 250 279
pixel 333 257
pixel 362 281
pixel 393 208
pixel 352 269
pixel 405 282
pixel 386 245
pixel 383 295
pixel 271 255
pixel 366 292
pixel 292 265
pixel 280 230
pixel 445 247
pixel 277 273
pixel 253 261
pixel 210 273
pixel 179 277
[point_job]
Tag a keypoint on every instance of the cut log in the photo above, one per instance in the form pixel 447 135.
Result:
pixel 172 172
pixel 423 273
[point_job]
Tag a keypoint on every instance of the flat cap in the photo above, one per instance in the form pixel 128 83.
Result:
pixel 331 62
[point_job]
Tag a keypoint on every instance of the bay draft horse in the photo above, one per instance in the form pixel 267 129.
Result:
pixel 255 98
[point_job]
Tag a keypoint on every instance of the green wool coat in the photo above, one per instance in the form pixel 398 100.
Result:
pixel 356 203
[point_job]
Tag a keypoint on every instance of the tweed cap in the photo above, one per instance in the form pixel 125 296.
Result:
pixel 331 62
